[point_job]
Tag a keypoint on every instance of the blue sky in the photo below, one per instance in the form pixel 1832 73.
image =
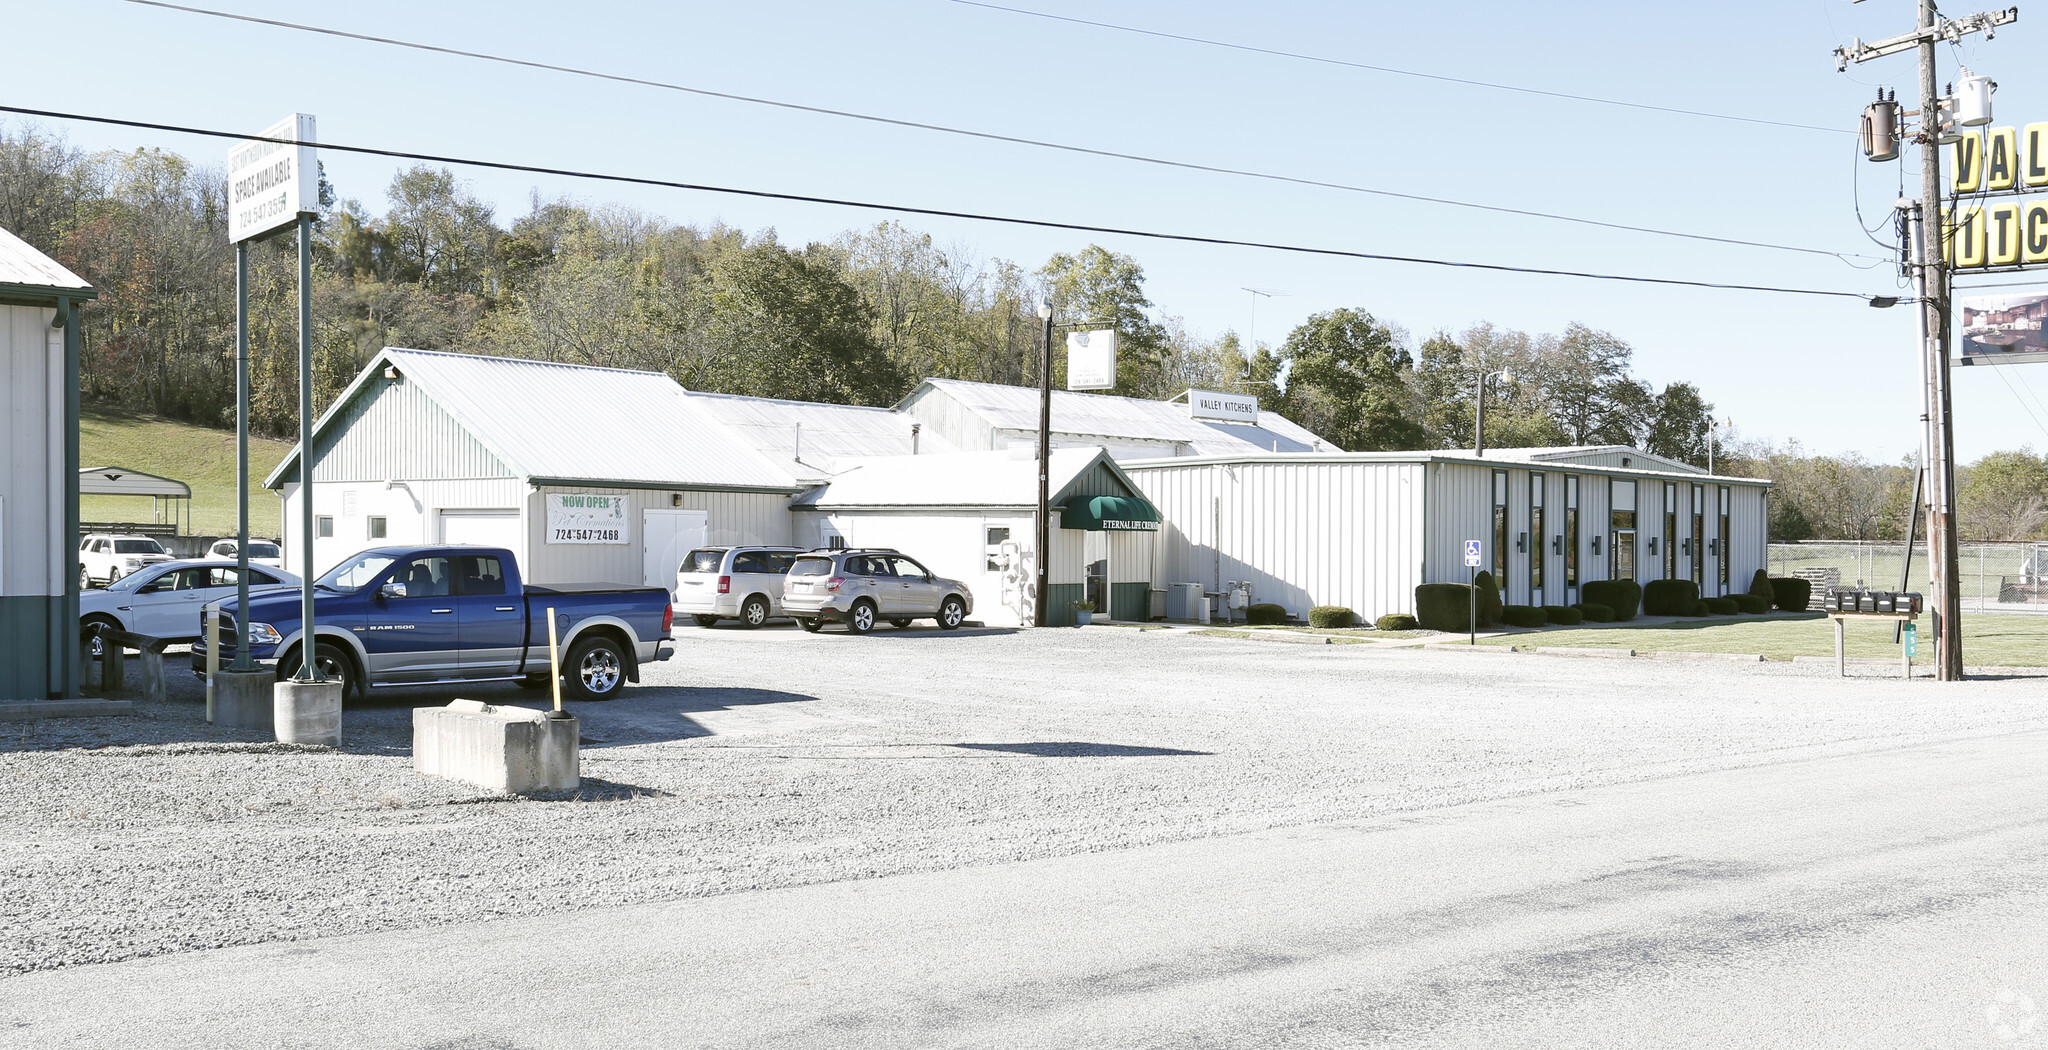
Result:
pixel 1832 373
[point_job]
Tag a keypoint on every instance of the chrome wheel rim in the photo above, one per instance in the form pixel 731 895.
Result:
pixel 863 618
pixel 600 671
pixel 757 614
pixel 952 614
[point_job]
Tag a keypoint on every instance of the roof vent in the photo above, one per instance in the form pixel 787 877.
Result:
pixel 1627 462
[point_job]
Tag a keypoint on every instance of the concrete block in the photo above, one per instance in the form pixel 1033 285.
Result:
pixel 30 710
pixel 1725 658
pixel 307 712
pixel 1568 650
pixel 244 700
pixel 511 750
pixel 153 684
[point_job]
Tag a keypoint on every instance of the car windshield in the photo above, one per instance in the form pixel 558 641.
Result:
pixel 262 550
pixel 703 561
pixel 137 547
pixel 355 573
pixel 811 566
pixel 132 581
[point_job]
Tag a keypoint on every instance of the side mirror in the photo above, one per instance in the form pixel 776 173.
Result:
pixel 392 589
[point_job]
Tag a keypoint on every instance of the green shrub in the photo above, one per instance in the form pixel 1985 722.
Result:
pixel 1699 608
pixel 1595 612
pixel 1331 616
pixel 1789 594
pixel 1721 606
pixel 1489 599
pixel 1443 606
pixel 1751 603
pixel 1265 614
pixel 1564 615
pixel 1760 585
pixel 1522 616
pixel 1396 622
pixel 1621 596
pixel 1671 598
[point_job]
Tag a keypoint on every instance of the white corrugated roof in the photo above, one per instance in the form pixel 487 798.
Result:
pixel 955 479
pixel 577 423
pixel 1569 453
pixel 1102 415
pixel 21 264
pixel 811 441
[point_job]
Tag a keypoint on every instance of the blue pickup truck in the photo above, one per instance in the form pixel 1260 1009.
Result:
pixel 395 616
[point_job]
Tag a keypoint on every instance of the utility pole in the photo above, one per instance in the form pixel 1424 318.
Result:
pixel 1932 276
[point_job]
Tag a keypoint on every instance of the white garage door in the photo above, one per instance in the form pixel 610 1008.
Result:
pixel 488 528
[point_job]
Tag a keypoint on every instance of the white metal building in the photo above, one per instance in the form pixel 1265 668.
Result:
pixel 975 416
pixel 1362 529
pixel 39 303
pixel 971 516
pixel 590 475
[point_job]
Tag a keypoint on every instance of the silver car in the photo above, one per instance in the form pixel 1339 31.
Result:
pixel 861 587
pixel 733 583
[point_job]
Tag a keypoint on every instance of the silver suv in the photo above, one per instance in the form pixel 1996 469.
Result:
pixel 733 583
pixel 862 586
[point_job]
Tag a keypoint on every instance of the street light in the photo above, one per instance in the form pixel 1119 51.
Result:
pixel 1479 421
pixel 1044 555
pixel 1711 424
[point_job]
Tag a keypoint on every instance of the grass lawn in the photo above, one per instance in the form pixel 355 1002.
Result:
pixel 201 457
pixel 1988 638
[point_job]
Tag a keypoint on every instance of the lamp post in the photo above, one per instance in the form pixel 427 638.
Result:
pixel 1479 418
pixel 1044 540
pixel 1712 423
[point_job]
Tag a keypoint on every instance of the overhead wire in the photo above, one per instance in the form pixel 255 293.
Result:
pixel 1214 169
pixel 1326 60
pixel 917 210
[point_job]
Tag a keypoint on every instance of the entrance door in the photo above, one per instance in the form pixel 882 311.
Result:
pixel 670 534
pixel 1095 555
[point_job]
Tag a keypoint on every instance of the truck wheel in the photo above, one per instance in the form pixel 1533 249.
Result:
pixel 952 612
pixel 861 618
pixel 754 613
pixel 333 664
pixel 810 623
pixel 596 669
pixel 703 620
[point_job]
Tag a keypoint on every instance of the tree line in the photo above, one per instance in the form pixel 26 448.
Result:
pixel 858 320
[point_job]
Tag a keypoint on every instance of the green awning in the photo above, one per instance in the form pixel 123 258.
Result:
pixel 1110 514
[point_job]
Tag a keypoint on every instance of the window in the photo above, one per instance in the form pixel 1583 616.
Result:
pixel 428 578
pixel 222 576
pixel 323 526
pixel 1721 565
pixel 812 565
pixel 137 547
pixel 377 527
pixel 1536 541
pixel 358 572
pixel 257 576
pixel 1699 536
pixel 1500 529
pixel 479 574
pixel 1670 530
pixel 1571 531
pixel 994 536
pixel 704 560
pixel 751 561
pixel 906 567
pixel 1621 538
pixel 260 549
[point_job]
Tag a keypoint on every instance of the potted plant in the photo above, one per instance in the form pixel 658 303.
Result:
pixel 1084 613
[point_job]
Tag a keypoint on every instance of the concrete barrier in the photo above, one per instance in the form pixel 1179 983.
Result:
pixel 511 750
pixel 307 712
pixel 1726 658
pixel 30 710
pixel 1572 650
pixel 245 700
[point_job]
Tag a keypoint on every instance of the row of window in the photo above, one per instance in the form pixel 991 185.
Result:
pixel 375 527
pixel 1623 532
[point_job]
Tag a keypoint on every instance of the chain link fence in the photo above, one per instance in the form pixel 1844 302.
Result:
pixel 1996 577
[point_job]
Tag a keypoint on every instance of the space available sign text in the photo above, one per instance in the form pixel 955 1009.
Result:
pixel 584 517
pixel 270 183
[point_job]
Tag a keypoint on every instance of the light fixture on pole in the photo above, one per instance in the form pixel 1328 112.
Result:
pixel 1479 415
pixel 1042 555
pixel 1711 424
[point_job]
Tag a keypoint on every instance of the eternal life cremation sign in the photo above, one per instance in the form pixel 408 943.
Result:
pixel 581 517
pixel 270 181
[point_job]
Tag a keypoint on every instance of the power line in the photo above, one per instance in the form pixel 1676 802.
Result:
pixel 1397 72
pixel 914 210
pixel 990 136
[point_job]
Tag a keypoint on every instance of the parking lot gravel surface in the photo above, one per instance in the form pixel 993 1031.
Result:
pixel 769 758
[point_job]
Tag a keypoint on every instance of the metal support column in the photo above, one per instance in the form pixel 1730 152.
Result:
pixel 242 662
pixel 308 670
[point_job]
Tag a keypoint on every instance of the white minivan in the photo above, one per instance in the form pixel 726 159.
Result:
pixel 733 583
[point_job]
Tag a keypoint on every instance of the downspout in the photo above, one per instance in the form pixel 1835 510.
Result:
pixel 65 627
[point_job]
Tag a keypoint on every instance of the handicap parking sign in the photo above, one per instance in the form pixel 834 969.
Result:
pixel 1472 553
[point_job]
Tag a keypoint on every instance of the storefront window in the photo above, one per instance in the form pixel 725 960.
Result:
pixel 1536 539
pixel 1500 530
pixel 1621 535
pixel 1571 532
pixel 1670 530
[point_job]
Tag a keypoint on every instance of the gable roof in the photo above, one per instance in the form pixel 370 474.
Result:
pixel 810 440
pixel 1101 415
pixel 958 479
pixel 120 481
pixel 1606 455
pixel 572 424
pixel 26 273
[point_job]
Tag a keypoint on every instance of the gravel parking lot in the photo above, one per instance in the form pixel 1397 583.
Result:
pixel 772 758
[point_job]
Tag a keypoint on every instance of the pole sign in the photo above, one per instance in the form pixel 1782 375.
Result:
pixel 1219 407
pixel 270 183
pixel 1472 554
pixel 1091 360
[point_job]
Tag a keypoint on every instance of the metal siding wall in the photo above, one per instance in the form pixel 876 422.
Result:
pixel 1748 541
pixel 411 513
pixel 36 556
pixel 1462 509
pixel 393 430
pixel 945 416
pixel 730 518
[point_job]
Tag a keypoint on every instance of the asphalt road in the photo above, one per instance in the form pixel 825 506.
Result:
pixel 1892 898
